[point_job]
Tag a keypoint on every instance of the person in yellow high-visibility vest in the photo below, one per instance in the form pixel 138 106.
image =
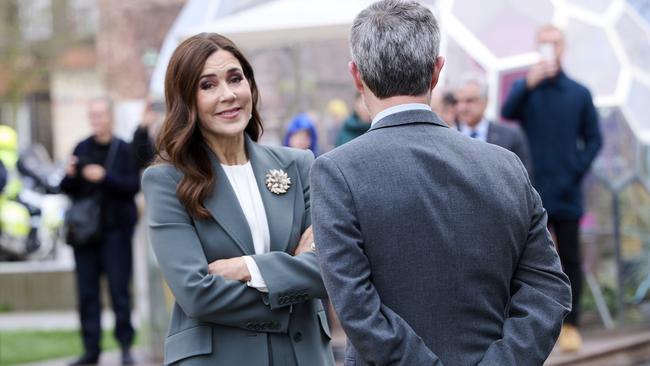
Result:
pixel 9 157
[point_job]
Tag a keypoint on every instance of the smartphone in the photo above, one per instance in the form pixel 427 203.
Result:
pixel 547 51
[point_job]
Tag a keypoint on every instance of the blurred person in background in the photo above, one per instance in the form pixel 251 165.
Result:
pixel 444 104
pixel 229 221
pixel 335 113
pixel 144 135
pixel 112 255
pixel 471 96
pixel 301 133
pixel 448 110
pixel 356 124
pixel 561 123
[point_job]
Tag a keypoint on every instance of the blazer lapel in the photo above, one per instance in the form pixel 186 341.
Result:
pixel 279 208
pixel 224 208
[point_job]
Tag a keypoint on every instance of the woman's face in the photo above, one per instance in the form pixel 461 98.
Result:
pixel 223 102
pixel 300 139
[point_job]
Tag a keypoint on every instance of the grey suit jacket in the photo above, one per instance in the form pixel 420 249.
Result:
pixel 222 322
pixel 511 137
pixel 434 249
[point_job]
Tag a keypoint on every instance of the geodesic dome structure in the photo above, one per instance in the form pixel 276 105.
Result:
pixel 608 50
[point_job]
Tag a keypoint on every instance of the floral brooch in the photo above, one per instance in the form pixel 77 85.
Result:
pixel 277 181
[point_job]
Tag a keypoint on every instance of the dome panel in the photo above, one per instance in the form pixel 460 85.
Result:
pixel 590 58
pixel 458 63
pixel 506 27
pixel 637 106
pixel 617 159
pixel 596 6
pixel 634 38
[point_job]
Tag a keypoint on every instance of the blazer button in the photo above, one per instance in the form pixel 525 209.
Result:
pixel 297 337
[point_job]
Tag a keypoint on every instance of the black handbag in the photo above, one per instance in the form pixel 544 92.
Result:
pixel 83 220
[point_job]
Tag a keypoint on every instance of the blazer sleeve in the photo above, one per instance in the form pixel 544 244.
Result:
pixel 541 298
pixel 379 335
pixel 201 295
pixel 293 279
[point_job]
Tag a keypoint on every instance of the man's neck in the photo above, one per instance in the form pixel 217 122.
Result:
pixel 103 138
pixel 376 105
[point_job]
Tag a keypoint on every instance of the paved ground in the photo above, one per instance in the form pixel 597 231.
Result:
pixel 69 320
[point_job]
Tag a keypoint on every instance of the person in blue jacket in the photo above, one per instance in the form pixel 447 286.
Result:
pixel 301 133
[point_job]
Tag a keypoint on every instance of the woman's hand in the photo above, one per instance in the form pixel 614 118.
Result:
pixel 305 243
pixel 231 269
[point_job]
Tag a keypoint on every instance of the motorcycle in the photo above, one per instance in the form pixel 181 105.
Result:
pixel 31 220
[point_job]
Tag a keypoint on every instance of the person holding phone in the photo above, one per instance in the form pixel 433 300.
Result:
pixel 561 124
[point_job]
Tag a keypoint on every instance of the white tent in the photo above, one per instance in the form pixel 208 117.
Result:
pixel 273 24
pixel 287 22
pixel 194 12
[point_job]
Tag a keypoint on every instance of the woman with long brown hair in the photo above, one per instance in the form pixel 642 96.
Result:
pixel 229 221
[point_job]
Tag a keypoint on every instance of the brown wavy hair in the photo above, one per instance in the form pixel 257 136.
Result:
pixel 180 141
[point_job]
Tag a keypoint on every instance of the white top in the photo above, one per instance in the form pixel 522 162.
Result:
pixel 243 182
pixel 400 108
pixel 480 130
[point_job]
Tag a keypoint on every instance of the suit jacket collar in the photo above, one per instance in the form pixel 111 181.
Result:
pixel 225 209
pixel 409 117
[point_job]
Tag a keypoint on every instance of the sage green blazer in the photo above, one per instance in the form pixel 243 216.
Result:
pixel 216 321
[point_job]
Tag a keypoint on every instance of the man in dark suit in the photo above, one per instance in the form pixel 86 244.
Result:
pixel 433 246
pixel 471 96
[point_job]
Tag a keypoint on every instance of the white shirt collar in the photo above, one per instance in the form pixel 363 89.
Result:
pixel 400 108
pixel 481 129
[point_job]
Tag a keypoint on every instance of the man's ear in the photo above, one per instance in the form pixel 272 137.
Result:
pixel 356 76
pixel 437 68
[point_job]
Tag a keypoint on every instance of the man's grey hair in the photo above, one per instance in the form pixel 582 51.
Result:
pixel 394 44
pixel 473 79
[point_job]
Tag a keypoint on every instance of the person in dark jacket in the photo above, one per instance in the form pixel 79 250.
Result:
pixel 111 255
pixel 143 140
pixel 356 124
pixel 561 123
